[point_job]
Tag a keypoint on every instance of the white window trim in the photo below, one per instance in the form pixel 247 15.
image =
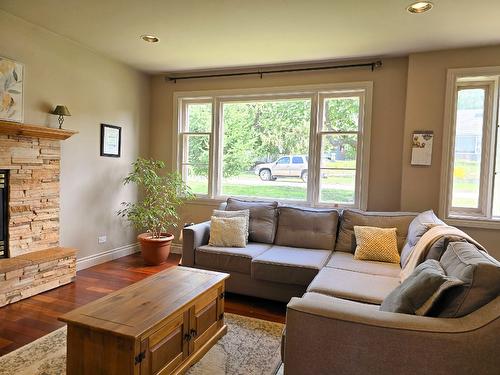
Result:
pixel 464 220
pixel 312 91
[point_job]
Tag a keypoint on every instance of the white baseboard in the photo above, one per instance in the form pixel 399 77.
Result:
pixel 106 256
pixel 176 248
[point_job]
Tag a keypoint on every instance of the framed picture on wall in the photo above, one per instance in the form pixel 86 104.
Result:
pixel 11 90
pixel 111 139
pixel 421 151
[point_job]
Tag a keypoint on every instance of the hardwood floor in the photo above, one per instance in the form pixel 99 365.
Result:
pixel 32 318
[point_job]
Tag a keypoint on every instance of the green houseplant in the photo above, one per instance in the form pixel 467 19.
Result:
pixel 157 211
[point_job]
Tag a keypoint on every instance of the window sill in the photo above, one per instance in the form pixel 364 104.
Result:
pixel 203 200
pixel 470 222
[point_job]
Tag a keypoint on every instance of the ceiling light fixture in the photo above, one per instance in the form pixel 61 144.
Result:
pixel 420 7
pixel 150 38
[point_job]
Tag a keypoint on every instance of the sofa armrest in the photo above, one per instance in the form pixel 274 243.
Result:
pixel 326 335
pixel 193 237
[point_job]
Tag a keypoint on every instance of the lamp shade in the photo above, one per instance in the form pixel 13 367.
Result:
pixel 61 110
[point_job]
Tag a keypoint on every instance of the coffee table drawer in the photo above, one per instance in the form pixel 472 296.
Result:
pixel 167 347
pixel 206 317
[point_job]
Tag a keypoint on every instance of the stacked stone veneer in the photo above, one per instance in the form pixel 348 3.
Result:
pixel 36 262
pixel 34 165
pixel 36 272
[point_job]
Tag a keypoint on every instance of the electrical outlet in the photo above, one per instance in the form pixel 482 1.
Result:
pixel 101 239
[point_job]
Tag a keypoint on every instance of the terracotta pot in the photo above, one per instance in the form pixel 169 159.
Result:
pixel 155 251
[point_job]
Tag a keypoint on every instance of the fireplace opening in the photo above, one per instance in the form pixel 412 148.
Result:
pixel 4 213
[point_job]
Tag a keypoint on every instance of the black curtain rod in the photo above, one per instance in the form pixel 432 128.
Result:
pixel 372 65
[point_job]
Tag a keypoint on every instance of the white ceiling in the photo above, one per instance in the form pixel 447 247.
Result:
pixel 205 34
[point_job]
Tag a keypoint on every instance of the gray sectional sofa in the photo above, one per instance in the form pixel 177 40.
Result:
pixel 334 324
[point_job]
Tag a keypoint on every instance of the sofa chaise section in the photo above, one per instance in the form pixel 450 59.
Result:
pixel 327 335
pixel 352 285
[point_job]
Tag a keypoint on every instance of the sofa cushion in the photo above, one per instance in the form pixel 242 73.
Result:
pixel 378 244
pixel 417 294
pixel 480 274
pixel 350 218
pixel 263 218
pixel 417 228
pixel 355 286
pixel 290 265
pixel 307 228
pixel 229 259
pixel 346 261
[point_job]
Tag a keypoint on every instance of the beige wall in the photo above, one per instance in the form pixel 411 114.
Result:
pixel 389 91
pixel 425 111
pixel 95 89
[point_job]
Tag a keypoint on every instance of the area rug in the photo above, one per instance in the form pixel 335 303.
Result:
pixel 251 346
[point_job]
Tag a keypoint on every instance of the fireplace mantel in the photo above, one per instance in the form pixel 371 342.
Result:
pixel 35 131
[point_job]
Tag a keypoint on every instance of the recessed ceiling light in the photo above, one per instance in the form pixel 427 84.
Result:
pixel 420 7
pixel 150 38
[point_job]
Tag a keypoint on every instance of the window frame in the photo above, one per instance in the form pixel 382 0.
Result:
pixel 312 92
pixel 358 188
pixel 183 135
pixel 459 79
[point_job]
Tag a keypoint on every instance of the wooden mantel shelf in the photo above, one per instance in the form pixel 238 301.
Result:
pixel 35 131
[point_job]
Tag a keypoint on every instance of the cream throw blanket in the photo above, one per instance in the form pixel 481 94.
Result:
pixel 427 240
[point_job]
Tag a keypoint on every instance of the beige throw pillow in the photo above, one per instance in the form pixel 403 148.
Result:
pixel 241 213
pixel 228 232
pixel 378 244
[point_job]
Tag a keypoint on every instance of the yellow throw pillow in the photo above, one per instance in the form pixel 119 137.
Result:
pixel 379 244
pixel 228 231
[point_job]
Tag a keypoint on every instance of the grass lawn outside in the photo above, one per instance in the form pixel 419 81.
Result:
pixel 466 175
pixel 250 185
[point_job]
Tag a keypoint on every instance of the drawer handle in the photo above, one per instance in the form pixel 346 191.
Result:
pixel 193 333
pixel 187 337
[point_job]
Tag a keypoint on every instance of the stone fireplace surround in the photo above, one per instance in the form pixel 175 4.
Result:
pixel 36 263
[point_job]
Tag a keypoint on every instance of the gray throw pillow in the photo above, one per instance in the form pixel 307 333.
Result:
pixel 263 218
pixel 419 292
pixel 438 248
pixel 480 274
pixel 417 228
pixel 242 213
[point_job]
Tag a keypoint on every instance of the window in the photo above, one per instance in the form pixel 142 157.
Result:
pixel 256 133
pixel 469 168
pixel 195 141
pixel 339 136
pixel 306 144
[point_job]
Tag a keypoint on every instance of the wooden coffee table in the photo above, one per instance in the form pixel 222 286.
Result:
pixel 160 325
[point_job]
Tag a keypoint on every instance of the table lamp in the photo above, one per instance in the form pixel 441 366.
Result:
pixel 61 111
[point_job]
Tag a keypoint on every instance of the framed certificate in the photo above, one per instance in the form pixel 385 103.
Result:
pixel 111 140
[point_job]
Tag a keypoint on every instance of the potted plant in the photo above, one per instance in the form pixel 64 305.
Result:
pixel 157 211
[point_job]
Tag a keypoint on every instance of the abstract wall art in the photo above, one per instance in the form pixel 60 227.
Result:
pixel 11 90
